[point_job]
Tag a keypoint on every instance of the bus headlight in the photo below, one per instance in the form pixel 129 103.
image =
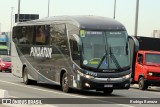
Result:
pixel 80 73
pixel 85 75
pixel 88 76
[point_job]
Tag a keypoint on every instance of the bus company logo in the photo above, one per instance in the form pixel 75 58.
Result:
pixel 108 80
pixel 41 52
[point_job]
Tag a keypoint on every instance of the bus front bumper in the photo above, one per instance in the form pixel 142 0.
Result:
pixel 103 83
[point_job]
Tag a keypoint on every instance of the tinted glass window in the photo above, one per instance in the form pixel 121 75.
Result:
pixel 72 30
pixel 23 35
pixel 42 34
pixel 105 49
pixel 59 37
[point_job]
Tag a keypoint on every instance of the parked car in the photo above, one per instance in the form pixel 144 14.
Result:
pixel 5 63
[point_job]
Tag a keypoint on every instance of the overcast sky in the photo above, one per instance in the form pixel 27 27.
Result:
pixel 149 11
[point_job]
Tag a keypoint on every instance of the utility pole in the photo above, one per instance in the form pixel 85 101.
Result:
pixel 11 18
pixel 136 18
pixel 10 34
pixel 18 10
pixel 48 7
pixel 114 15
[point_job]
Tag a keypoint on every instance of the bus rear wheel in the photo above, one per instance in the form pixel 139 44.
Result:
pixel 107 91
pixel 65 83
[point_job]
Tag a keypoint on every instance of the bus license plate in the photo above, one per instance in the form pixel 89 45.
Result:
pixel 108 85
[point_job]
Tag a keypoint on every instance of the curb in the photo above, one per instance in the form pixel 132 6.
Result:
pixel 4 94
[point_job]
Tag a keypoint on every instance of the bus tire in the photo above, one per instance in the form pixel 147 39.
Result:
pixel 108 91
pixel 25 77
pixel 142 84
pixel 65 83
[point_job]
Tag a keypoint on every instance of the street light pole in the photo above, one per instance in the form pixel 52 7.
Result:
pixel 18 10
pixel 114 15
pixel 11 18
pixel 48 7
pixel 136 18
pixel 0 28
pixel 11 28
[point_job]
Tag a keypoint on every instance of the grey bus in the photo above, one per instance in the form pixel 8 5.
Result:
pixel 81 52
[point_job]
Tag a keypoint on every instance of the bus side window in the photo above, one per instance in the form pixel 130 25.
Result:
pixel 23 37
pixel 42 35
pixel 15 36
pixel 59 38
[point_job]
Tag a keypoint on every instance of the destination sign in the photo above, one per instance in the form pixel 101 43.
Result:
pixel 94 33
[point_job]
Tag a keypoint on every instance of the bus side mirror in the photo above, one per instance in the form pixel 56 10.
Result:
pixel 126 48
pixel 79 48
pixel 127 44
pixel 79 42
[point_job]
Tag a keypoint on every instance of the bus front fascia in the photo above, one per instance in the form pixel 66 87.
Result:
pixel 94 76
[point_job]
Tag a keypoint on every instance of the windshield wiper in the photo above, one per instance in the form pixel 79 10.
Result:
pixel 102 59
pixel 112 57
pixel 115 60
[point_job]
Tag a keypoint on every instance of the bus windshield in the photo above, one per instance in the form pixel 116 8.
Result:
pixel 105 50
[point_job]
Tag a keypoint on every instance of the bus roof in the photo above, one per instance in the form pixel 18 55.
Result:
pixel 83 22
pixel 3 47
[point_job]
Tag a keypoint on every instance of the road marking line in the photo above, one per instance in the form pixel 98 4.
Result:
pixel 42 89
pixel 125 105
pixel 13 97
pixel 64 93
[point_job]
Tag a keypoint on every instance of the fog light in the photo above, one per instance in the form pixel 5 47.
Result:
pixel 87 85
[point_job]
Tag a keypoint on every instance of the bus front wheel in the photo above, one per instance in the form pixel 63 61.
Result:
pixel 25 77
pixel 65 83
pixel 26 80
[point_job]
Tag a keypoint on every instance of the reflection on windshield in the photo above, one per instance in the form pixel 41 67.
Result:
pixel 105 50
pixel 153 58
